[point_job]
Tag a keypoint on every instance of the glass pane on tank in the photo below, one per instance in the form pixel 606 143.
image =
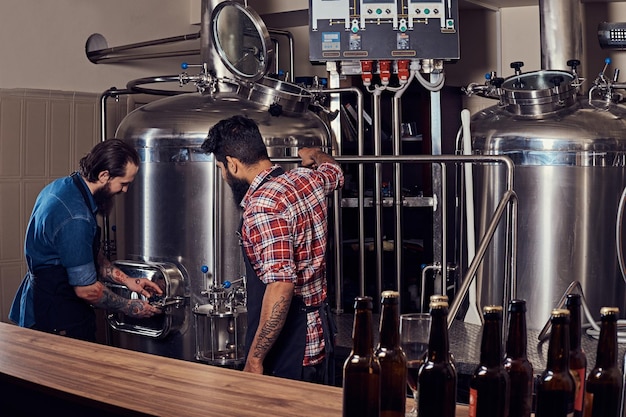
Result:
pixel 241 39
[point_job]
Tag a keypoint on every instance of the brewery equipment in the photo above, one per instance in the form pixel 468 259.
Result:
pixel 569 155
pixel 180 217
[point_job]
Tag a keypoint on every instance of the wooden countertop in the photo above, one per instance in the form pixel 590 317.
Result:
pixel 55 370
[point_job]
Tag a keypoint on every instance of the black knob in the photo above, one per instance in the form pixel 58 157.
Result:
pixel 573 63
pixel 556 81
pixel 276 109
pixel 517 65
pixel 497 82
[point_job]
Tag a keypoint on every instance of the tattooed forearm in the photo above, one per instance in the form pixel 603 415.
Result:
pixel 111 301
pixel 110 273
pixel 271 328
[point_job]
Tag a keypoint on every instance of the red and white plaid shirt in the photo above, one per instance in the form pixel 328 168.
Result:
pixel 284 234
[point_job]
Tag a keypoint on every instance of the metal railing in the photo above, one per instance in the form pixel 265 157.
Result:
pixel 506 208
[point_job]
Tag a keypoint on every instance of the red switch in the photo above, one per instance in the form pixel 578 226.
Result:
pixel 384 67
pixel 366 72
pixel 403 70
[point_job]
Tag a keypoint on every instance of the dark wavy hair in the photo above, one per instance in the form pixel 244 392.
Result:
pixel 238 137
pixel 112 155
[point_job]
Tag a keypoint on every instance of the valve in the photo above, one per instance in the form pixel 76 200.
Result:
pixel 202 80
pixel 403 70
pixel 517 66
pixel 366 72
pixel 384 67
pixel 275 109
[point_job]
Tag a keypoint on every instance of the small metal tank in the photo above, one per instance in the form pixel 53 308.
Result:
pixel 569 156
pixel 179 215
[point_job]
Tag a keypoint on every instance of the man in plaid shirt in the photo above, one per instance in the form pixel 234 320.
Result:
pixel 284 235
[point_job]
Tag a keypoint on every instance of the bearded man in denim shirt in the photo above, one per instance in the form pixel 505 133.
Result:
pixel 62 249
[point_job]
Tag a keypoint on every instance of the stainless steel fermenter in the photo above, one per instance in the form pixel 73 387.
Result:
pixel 569 155
pixel 179 215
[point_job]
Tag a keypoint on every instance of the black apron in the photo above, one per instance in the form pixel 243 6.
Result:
pixel 57 307
pixel 286 355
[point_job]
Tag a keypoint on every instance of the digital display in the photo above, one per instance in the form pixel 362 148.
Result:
pixel 378 1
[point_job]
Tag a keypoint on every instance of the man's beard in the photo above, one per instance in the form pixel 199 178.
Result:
pixel 238 186
pixel 104 200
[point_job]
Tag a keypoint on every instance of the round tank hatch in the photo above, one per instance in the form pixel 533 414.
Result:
pixel 241 40
pixel 540 92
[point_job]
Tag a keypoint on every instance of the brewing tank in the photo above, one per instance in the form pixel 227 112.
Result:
pixel 180 219
pixel 179 212
pixel 569 156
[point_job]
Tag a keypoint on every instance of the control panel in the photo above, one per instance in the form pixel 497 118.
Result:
pixel 343 30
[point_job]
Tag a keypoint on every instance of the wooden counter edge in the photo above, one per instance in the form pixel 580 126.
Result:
pixel 40 372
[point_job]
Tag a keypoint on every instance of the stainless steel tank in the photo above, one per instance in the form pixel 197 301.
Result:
pixel 180 218
pixel 569 155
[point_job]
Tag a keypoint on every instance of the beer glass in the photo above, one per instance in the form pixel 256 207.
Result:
pixel 414 333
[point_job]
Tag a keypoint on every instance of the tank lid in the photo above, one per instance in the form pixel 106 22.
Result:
pixel 539 92
pixel 241 40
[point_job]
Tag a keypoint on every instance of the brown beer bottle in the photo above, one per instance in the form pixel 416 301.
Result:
pixel 556 388
pixel 361 371
pixel 490 383
pixel 437 376
pixel 391 358
pixel 516 362
pixel 577 357
pixel 604 383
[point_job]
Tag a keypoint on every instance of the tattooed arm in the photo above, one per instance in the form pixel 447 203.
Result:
pixel 110 273
pixel 276 302
pixel 98 295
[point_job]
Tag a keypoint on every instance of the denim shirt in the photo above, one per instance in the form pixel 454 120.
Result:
pixel 60 231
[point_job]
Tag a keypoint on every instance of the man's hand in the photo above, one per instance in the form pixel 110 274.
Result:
pixel 98 295
pixel 143 286
pixel 313 157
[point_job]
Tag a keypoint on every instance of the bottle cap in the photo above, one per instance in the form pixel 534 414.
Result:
pixel 492 311
pixel 438 305
pixel 438 297
pixel 517 306
pixel 560 312
pixel 389 296
pixel 361 303
pixel 572 300
pixel 605 311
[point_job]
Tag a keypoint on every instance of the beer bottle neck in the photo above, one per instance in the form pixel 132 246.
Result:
pixel 558 351
pixel 390 326
pixel 573 305
pixel 517 341
pixel 607 344
pixel 438 344
pixel 362 333
pixel 491 345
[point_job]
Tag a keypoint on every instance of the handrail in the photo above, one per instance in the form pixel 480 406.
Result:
pixel 509 197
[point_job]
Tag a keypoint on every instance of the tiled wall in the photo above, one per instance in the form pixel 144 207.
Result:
pixel 43 135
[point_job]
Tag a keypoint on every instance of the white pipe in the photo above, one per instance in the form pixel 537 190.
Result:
pixel 473 314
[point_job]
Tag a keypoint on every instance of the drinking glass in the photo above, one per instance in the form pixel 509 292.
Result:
pixel 414 333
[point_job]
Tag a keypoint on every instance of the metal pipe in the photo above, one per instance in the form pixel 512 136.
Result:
pixel 378 198
pixel 361 197
pixel 100 55
pixel 509 197
pixel 154 55
pixel 289 36
pixel 561 33
pixel 396 113
pixel 133 85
